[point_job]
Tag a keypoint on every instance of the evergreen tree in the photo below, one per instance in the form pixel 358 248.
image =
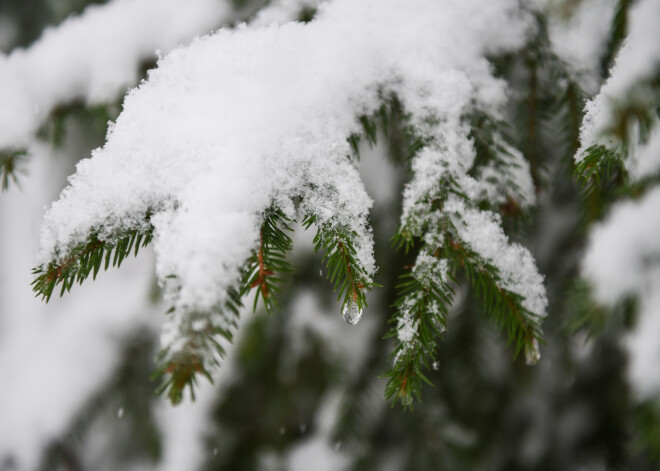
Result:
pixel 500 328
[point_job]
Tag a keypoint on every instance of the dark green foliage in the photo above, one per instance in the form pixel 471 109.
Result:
pixel 202 349
pixel 601 173
pixel 307 14
pixel 646 418
pixel 409 361
pixel 618 31
pixel 523 327
pixel 268 262
pixel 584 314
pixel 347 276
pixel 10 166
pixel 602 170
pixel 392 121
pixel 96 117
pixel 87 258
pixel 493 144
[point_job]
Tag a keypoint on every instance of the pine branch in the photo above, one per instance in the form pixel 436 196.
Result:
pixel 426 293
pixel 495 152
pixel 394 122
pixel 523 327
pixel 88 258
pixel 203 332
pixel 202 349
pixel 618 31
pixel 348 277
pixel 422 309
pixel 269 260
pixel 602 170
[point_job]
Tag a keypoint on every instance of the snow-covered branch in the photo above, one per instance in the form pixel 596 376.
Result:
pixel 255 118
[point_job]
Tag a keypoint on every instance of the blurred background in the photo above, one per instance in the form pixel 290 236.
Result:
pixel 301 389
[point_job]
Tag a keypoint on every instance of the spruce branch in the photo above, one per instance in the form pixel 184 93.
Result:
pixel 394 122
pixel 602 169
pixel 427 292
pixel 269 260
pixel 203 333
pixel 422 309
pixel 522 326
pixel 202 349
pixel 88 258
pixel 348 277
pixel 618 31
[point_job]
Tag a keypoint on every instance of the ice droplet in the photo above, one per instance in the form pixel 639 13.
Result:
pixel 352 313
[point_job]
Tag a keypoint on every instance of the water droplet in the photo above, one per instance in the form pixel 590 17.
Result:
pixel 338 445
pixel 215 451
pixel 303 427
pixel 532 353
pixel 352 313
pixel 282 430
pixel 436 365
pixel 120 412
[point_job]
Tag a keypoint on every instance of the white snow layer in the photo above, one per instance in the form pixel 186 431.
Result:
pixel 245 118
pixel 93 57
